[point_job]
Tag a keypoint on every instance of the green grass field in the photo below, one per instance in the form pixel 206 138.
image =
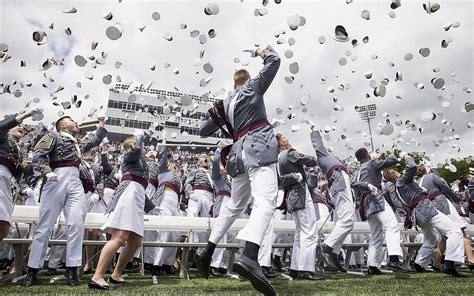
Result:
pixel 334 284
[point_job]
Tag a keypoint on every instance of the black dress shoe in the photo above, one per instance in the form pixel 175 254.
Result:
pixel 436 269
pixel 96 285
pixel 51 271
pixel 374 271
pixel 112 281
pixel 397 266
pixel 71 276
pixel 31 278
pixel 215 272
pixel 331 260
pixel 203 261
pixel 452 272
pixel 293 273
pixel 419 268
pixel 168 269
pixel 306 275
pixel 268 272
pixel 250 269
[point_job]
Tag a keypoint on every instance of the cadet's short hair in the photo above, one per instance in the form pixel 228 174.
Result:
pixel 362 154
pixel 390 175
pixel 60 120
pixel 240 77
pixel 420 170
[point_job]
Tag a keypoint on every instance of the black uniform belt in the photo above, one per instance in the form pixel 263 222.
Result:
pixel 9 164
pixel 142 181
pixel 64 163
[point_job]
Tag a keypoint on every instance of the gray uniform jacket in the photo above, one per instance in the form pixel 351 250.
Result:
pixel 197 179
pixel 407 190
pixel 108 172
pixel 291 162
pixel 438 190
pixel 221 183
pixel 260 145
pixel 55 147
pixel 9 151
pixel 391 197
pixel 327 163
pixel 165 176
pixel 469 195
pixel 371 172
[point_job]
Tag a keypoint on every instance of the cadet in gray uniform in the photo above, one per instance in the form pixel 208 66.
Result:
pixel 339 187
pixel 126 219
pixel 251 163
pixel 167 204
pixel 222 188
pixel 374 208
pixel 200 190
pixel 10 162
pixel 57 157
pixel 292 178
pixel 417 204
pixel 443 197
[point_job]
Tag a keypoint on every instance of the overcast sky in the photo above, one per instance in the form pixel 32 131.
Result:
pixel 237 28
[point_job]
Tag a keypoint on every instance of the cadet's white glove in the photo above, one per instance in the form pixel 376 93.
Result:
pixel 373 188
pixel 29 192
pixel 153 126
pixel 51 177
pixel 253 52
pixel 298 176
pixel 403 154
pixel 93 199
pixel 35 111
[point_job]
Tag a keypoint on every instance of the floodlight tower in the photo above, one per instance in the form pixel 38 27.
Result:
pixel 367 113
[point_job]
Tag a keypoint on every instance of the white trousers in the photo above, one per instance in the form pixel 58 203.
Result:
pixel 199 205
pixel 66 194
pixel 6 201
pixel 260 183
pixel 322 212
pixel 344 209
pixel 56 252
pixel 168 207
pixel 454 243
pixel 304 246
pixel 218 255
pixel 383 225
pixel 455 217
pixel 108 192
pixel 265 251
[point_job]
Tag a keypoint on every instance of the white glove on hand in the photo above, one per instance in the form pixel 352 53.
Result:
pixel 51 177
pixel 153 126
pixel 403 154
pixel 373 188
pixel 93 199
pixel 298 176
pixel 36 111
pixel 253 52
pixel 29 192
pixel 137 132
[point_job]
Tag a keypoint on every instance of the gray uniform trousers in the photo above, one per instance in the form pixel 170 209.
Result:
pixel 66 194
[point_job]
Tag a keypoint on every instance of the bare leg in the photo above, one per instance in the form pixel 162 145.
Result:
pixel 468 248
pixel 133 242
pixel 439 253
pixel 4 229
pixel 106 255
pixel 92 234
